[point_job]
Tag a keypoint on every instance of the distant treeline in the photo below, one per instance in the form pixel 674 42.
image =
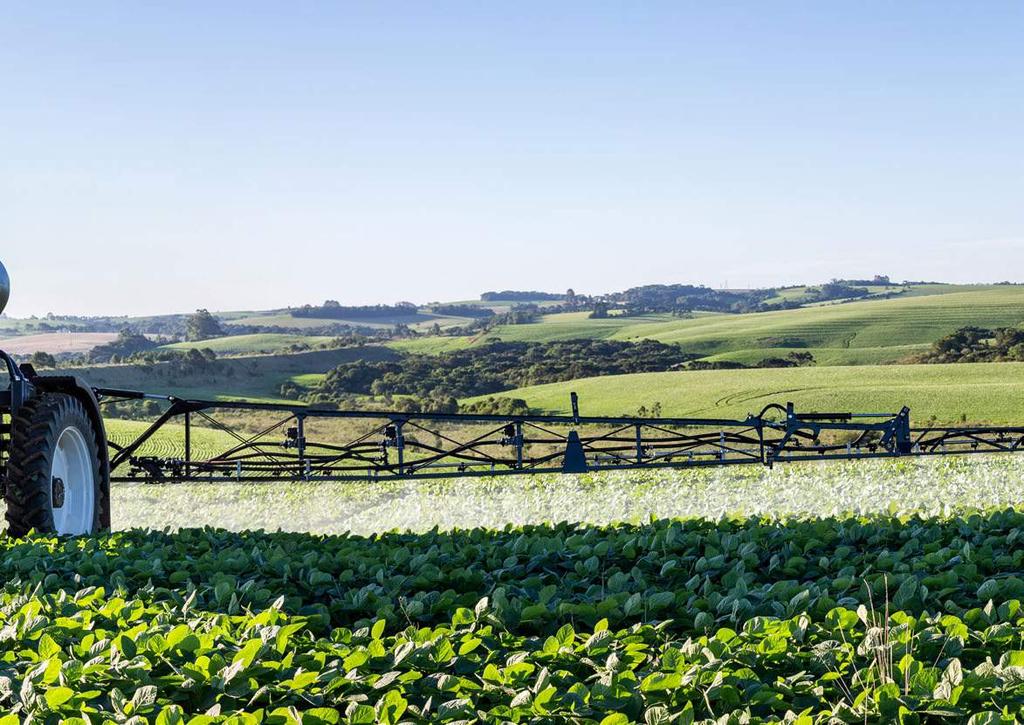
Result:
pixel 977 344
pixel 328 329
pixel 879 280
pixel 332 310
pixel 686 298
pixel 168 325
pixel 677 298
pixel 517 315
pixel 127 344
pixel 520 296
pixel 834 290
pixel 496 367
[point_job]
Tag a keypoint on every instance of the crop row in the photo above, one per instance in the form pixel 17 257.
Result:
pixel 93 656
pixel 935 486
pixel 804 621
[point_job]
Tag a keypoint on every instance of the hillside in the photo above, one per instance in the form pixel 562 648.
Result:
pixel 257 377
pixel 853 333
pixel 249 344
pixel 867 331
pixel 416 320
pixel 867 334
pixel 982 392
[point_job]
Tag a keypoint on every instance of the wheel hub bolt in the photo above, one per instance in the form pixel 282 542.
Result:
pixel 57 492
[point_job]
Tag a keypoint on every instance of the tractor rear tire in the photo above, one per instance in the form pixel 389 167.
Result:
pixel 55 481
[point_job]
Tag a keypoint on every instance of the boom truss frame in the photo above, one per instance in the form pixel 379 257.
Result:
pixel 399 445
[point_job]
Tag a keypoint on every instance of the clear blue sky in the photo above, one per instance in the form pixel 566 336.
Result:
pixel 159 157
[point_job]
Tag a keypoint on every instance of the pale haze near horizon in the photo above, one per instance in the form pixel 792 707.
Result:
pixel 259 155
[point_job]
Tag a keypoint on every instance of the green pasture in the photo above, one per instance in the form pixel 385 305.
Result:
pixel 575 326
pixel 250 344
pixel 258 377
pixel 827 356
pixel 169 442
pixel 981 392
pixel 432 345
pixel 853 333
pixel 866 324
pixel 416 320
pixel 500 306
pixel 800 293
pixel 308 380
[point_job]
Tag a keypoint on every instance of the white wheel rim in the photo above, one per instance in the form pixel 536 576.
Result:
pixel 72 484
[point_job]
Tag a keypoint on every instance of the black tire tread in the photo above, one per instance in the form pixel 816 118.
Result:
pixel 33 437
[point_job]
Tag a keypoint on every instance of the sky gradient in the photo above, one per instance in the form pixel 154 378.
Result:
pixel 257 155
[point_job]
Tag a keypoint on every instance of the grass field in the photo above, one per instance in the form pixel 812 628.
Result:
pixel 827 356
pixel 575 326
pixel 862 332
pixel 307 380
pixel 983 392
pixel 871 323
pixel 800 294
pixel 504 305
pixel 250 344
pixel 432 345
pixel 979 393
pixel 418 320
pixel 258 377
pixel 169 441
pixel 866 332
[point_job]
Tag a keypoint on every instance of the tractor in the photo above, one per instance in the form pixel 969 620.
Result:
pixel 54 466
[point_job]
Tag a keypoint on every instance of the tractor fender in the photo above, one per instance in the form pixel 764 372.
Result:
pixel 74 386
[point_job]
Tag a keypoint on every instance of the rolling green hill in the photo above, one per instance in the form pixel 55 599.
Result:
pixel 983 392
pixel 853 333
pixel 575 326
pixel 853 340
pixel 249 344
pixel 417 320
pixel 169 441
pixel 258 377
pixel 432 345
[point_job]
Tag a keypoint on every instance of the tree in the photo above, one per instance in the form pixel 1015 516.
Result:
pixel 202 326
pixel 42 359
pixel 801 358
pixel 128 343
